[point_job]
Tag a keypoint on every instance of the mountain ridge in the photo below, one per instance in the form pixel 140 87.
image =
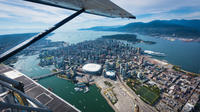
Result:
pixel 163 28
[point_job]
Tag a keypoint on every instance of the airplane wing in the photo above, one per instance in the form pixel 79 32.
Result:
pixel 97 7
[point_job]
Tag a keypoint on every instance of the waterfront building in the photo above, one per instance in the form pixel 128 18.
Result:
pixel 68 75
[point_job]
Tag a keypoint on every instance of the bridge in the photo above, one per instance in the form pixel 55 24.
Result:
pixel 46 75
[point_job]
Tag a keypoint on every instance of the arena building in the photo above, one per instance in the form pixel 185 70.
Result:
pixel 92 68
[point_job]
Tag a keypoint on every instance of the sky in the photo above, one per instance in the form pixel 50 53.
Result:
pixel 18 16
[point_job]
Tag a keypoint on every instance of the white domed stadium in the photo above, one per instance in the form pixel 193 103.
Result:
pixel 92 68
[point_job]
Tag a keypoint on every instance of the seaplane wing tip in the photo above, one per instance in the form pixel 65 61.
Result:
pixel 97 7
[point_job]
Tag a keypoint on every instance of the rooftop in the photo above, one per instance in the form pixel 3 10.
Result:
pixel 91 67
pixel 110 73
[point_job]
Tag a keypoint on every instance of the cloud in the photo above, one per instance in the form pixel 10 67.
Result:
pixel 4 15
pixel 193 15
pixel 30 12
pixel 31 15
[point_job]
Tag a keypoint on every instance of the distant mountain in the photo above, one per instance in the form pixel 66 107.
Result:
pixel 188 23
pixel 162 28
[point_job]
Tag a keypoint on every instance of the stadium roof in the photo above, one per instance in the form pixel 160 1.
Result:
pixel 91 67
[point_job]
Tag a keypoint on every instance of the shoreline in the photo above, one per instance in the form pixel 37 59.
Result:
pixel 108 101
pixel 181 39
pixel 169 65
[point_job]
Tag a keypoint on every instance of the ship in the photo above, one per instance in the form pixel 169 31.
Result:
pixel 153 53
pixel 86 90
pixel 78 89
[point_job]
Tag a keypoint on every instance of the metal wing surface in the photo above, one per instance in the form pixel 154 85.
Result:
pixel 98 7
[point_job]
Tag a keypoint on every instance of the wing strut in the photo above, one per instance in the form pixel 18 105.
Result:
pixel 30 41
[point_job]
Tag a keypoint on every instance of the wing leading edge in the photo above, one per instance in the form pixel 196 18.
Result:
pixel 97 7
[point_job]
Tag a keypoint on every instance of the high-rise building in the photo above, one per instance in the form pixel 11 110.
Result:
pixel 106 65
pixel 120 68
pixel 117 64
pixel 126 67
pixel 138 50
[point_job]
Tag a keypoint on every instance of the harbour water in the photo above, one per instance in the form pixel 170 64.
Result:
pixel 92 101
pixel 184 54
pixel 180 53
pixel 29 66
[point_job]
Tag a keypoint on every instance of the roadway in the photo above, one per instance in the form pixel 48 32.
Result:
pixel 46 75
